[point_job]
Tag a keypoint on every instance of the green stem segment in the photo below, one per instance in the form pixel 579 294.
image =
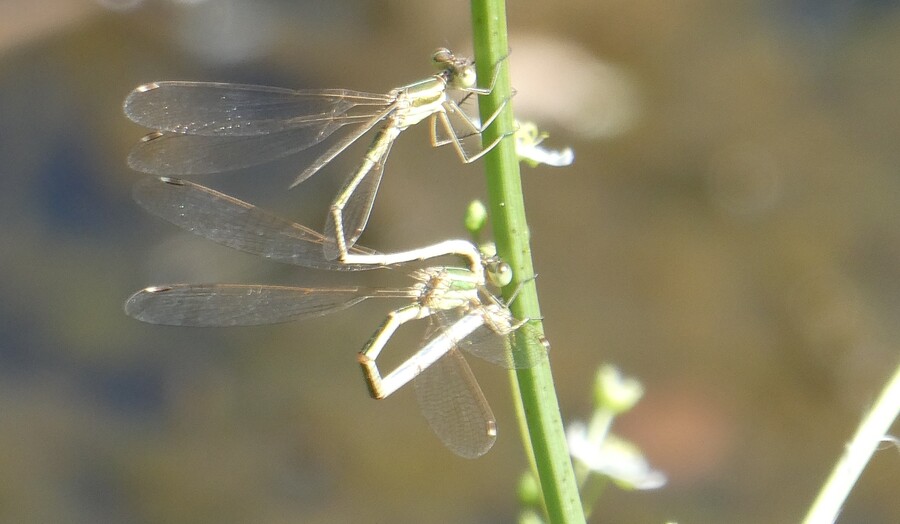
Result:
pixel 870 434
pixel 512 237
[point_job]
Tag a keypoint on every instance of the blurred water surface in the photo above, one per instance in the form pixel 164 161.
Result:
pixel 729 234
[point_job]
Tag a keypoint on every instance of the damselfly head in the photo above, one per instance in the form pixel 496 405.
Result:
pixel 498 272
pixel 459 69
pixel 443 58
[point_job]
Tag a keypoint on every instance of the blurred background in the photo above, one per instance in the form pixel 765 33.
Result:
pixel 729 234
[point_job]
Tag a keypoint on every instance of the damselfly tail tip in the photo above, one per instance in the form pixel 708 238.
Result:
pixel 491 428
pixel 545 342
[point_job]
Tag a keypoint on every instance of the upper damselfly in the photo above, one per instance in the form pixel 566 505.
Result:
pixel 206 127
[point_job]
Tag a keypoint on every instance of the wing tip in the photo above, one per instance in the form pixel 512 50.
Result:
pixel 151 136
pixel 156 289
pixel 134 306
pixel 134 95
pixel 172 181
pixel 143 88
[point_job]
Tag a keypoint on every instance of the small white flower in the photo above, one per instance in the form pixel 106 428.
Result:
pixel 615 392
pixel 529 150
pixel 615 458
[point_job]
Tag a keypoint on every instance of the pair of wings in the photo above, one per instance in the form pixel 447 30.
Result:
pixel 450 398
pixel 204 128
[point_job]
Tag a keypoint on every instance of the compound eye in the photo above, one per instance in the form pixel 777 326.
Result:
pixel 499 273
pixel 442 56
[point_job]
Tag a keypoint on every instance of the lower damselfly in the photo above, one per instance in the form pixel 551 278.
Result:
pixel 462 315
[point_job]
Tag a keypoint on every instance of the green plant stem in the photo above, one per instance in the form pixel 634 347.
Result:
pixel 859 450
pixel 538 396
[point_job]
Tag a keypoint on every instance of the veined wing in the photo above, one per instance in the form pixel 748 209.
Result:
pixel 219 305
pixel 205 128
pixel 166 153
pixel 498 340
pixel 221 109
pixel 237 224
pixel 454 406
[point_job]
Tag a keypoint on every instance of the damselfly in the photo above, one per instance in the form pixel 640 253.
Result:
pixel 464 315
pixel 213 127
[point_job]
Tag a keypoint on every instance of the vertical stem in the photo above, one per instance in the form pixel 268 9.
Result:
pixel 859 450
pixel 538 396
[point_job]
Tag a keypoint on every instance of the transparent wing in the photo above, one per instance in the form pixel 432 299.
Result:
pixel 518 349
pixel 237 224
pixel 209 127
pixel 454 125
pixel 454 406
pixel 205 305
pixel 499 340
pixel 220 109
pixel 356 199
pixel 341 145
pixel 176 154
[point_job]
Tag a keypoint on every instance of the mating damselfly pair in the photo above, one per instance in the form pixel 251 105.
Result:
pixel 205 128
